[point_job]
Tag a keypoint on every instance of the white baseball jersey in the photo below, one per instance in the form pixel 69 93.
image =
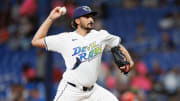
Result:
pixel 88 49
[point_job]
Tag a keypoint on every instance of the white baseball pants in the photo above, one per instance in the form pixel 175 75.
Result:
pixel 67 92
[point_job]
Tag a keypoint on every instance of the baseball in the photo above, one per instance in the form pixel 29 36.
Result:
pixel 63 10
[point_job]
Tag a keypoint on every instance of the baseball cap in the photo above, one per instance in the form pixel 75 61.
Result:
pixel 83 10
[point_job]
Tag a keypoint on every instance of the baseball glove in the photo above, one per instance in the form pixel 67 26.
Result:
pixel 120 59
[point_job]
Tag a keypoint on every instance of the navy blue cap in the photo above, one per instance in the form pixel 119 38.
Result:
pixel 83 10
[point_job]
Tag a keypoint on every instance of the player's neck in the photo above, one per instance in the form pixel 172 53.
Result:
pixel 82 32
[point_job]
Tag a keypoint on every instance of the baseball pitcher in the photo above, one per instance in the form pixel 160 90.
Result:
pixel 82 50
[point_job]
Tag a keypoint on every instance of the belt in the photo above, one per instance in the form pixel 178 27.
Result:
pixel 82 87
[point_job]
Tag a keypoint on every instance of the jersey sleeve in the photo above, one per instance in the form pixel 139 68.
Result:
pixel 54 42
pixel 110 40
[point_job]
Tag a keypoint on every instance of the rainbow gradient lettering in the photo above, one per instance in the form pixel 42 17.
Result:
pixel 87 53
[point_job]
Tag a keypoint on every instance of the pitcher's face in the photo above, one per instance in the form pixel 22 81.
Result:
pixel 86 22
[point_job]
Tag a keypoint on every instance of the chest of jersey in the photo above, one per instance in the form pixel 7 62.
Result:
pixel 85 48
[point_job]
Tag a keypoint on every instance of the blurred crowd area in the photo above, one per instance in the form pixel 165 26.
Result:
pixel 149 29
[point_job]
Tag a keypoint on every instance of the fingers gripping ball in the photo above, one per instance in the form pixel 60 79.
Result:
pixel 63 10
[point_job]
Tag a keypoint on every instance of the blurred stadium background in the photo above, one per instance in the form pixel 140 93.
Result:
pixel 150 29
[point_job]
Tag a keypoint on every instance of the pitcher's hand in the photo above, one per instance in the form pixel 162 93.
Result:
pixel 54 14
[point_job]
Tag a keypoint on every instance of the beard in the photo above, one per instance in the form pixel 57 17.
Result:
pixel 88 27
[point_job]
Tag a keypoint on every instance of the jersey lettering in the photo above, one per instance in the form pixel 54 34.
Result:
pixel 77 50
pixel 87 53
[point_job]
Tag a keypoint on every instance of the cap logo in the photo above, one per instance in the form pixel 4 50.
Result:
pixel 86 8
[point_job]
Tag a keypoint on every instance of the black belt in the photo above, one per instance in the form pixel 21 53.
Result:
pixel 83 87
